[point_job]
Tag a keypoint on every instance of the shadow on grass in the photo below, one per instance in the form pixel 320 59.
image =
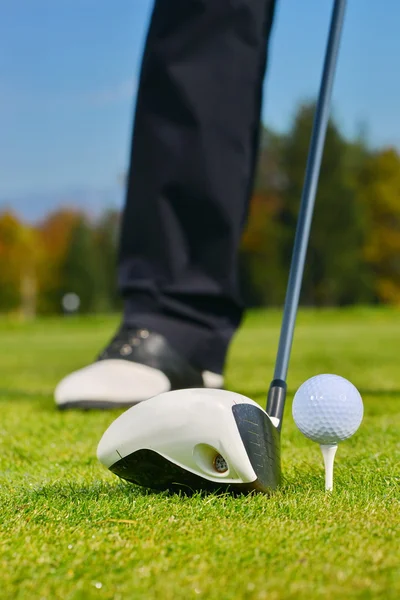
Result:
pixel 115 492
pixel 92 491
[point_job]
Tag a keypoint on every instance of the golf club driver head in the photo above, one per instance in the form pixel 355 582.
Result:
pixel 192 440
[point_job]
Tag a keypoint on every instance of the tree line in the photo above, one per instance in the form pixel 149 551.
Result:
pixel 353 255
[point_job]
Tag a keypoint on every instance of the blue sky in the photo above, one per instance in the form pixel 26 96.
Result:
pixel 69 72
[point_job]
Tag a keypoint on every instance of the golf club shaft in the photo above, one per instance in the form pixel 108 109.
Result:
pixel 277 391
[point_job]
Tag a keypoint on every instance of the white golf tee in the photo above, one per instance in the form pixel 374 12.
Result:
pixel 328 452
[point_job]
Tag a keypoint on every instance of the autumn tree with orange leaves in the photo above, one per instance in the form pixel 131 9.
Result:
pixel 20 257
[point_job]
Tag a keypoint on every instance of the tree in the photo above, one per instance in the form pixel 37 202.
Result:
pixel 262 275
pixel 55 233
pixel 106 244
pixel 80 269
pixel 379 192
pixel 20 254
pixel 335 267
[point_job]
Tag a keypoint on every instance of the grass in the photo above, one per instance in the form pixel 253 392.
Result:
pixel 71 530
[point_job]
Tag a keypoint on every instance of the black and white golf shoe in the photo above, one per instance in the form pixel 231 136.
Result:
pixel 135 366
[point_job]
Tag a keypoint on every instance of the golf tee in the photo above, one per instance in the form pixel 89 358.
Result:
pixel 328 452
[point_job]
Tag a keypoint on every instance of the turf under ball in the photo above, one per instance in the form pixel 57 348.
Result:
pixel 327 409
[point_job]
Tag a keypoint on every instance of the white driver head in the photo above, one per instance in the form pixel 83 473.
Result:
pixel 192 440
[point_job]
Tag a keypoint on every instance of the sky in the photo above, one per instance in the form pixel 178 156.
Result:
pixel 69 73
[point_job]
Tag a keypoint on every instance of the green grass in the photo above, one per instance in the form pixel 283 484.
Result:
pixel 71 530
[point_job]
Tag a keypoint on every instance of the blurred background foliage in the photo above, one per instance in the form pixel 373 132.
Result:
pixel 353 256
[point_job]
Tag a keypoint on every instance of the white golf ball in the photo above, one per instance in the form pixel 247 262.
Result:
pixel 327 409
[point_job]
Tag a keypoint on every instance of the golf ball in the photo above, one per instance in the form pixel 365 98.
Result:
pixel 327 409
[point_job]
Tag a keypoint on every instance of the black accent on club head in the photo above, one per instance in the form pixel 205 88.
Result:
pixel 149 469
pixel 262 443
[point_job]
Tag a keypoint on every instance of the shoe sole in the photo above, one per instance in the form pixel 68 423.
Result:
pixel 95 405
pixel 88 405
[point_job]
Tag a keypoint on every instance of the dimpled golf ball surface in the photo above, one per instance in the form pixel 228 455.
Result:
pixel 327 409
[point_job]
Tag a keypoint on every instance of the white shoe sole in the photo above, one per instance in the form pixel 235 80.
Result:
pixel 117 383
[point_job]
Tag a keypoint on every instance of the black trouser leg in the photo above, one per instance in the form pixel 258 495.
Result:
pixel 194 150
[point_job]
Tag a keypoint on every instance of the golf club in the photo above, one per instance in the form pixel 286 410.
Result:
pixel 207 439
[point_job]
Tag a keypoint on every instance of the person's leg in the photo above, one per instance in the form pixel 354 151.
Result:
pixel 193 155
pixel 194 148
